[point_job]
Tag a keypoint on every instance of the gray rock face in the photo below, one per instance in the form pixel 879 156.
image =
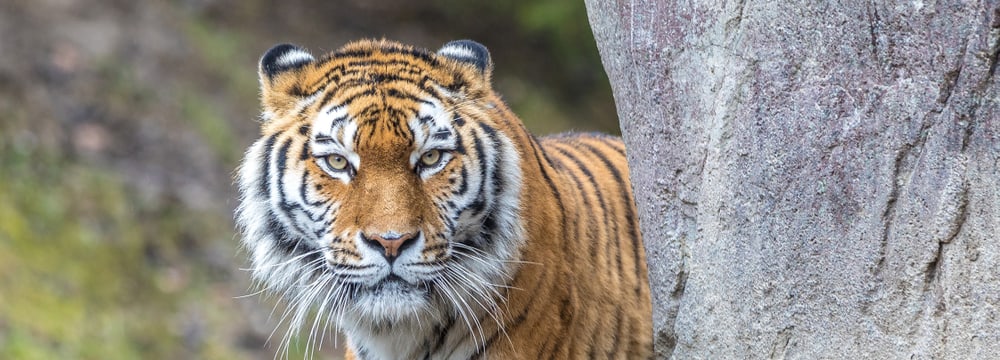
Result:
pixel 814 180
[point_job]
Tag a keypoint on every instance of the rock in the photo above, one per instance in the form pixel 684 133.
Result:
pixel 814 180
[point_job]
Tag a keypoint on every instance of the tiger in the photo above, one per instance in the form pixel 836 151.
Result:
pixel 394 197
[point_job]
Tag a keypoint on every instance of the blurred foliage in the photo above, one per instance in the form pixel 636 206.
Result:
pixel 557 81
pixel 121 124
pixel 85 267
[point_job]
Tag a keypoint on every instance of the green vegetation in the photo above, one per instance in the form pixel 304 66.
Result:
pixel 210 125
pixel 218 49
pixel 551 73
pixel 89 270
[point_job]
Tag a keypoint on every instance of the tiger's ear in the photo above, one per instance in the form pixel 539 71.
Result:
pixel 469 53
pixel 280 72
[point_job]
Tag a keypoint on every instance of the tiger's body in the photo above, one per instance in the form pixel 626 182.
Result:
pixel 395 193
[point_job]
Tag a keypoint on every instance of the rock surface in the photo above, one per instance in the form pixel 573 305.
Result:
pixel 813 180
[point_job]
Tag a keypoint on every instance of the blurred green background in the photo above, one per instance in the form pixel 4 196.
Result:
pixel 121 123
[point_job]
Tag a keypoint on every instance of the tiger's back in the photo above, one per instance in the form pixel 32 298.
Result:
pixel 394 192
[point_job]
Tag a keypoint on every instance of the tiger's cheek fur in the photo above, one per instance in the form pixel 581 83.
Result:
pixel 439 224
pixel 331 238
pixel 279 258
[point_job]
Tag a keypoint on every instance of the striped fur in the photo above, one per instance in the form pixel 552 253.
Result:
pixel 520 247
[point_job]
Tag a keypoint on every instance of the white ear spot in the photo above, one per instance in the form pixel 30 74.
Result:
pixel 282 58
pixel 293 58
pixel 467 51
pixel 457 52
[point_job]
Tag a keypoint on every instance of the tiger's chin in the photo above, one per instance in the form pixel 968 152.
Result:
pixel 392 300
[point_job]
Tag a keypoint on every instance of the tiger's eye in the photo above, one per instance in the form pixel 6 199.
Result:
pixel 337 162
pixel 430 158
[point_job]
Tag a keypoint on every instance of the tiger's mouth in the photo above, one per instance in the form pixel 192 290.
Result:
pixel 391 299
pixel 394 284
pixel 392 278
pixel 389 286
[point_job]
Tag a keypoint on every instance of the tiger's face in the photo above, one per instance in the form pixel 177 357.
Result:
pixel 381 191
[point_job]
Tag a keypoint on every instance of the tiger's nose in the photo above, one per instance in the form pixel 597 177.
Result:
pixel 390 243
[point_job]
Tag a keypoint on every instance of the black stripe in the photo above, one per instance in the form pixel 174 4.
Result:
pixel 548 180
pixel 479 204
pixel 498 182
pixel 442 332
pixel 388 50
pixel 286 243
pixel 396 93
pixel 516 322
pixel 369 91
pixel 287 206
pixel 361 353
pixel 354 255
pixel 614 145
pixel 553 340
pixel 336 121
pixel 281 163
pixel 489 130
pixel 593 238
pixel 436 247
pixel 328 77
pixel 616 340
pixel 441 135
pixel 464 186
pixel 265 179
pixel 304 152
pixel 490 226
pixel 404 66
pixel 351 266
pixel 353 53
pixel 449 223
pixel 490 222
pixel 628 332
pixel 302 193
pixel 459 145
pixel 371 135
pixel 595 340
pixel 430 86
pixel 566 316
pixel 630 217
pixel 326 140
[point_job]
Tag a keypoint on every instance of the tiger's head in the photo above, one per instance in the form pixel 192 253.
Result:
pixel 383 190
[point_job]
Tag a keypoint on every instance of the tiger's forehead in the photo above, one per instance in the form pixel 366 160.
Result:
pixel 367 67
pixel 378 122
pixel 384 96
